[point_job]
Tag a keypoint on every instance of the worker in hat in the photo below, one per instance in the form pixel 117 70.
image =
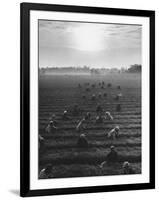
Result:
pixel 82 141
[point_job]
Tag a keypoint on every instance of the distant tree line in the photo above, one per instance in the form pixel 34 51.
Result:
pixel 136 68
pixel 72 69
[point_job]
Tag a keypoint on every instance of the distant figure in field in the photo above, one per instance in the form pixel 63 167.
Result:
pixel 82 141
pixel 41 142
pixel 108 116
pixel 87 116
pixel 65 115
pixel 102 87
pixel 109 85
pixel 51 127
pixel 118 87
pixel 84 96
pixel 80 126
pixel 112 157
pixel 103 83
pixel 88 90
pixel 127 168
pixel 53 117
pixel 99 109
pixel 105 94
pixel 100 95
pixel 46 172
pixel 114 133
pixel 87 84
pixel 76 110
pixel 79 85
pixel 118 108
pixel 117 97
pixel 93 97
pixel 93 85
pixel 99 119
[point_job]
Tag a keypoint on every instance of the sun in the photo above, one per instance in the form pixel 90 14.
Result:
pixel 88 38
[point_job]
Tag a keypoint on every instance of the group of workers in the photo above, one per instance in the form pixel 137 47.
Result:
pixel 82 141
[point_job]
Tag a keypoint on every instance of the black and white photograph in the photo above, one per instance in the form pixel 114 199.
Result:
pixel 89 99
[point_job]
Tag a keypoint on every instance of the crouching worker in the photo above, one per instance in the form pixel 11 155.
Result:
pixel 51 128
pixel 82 141
pixel 65 115
pixel 117 97
pixel 108 116
pixel 114 133
pixel 99 119
pixel 112 157
pixel 100 95
pixel 127 168
pixel 87 116
pixel 93 97
pixel 53 118
pixel 46 172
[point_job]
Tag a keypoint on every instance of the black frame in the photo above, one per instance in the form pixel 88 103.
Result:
pixel 25 9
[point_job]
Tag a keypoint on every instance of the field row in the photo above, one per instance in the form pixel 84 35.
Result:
pixel 124 111
pixel 80 99
pixel 85 170
pixel 75 90
pixel 103 127
pixel 93 134
pixel 84 109
pixel 118 115
pixel 93 121
pixel 89 155
pixel 44 118
pixel 92 103
pixel 61 143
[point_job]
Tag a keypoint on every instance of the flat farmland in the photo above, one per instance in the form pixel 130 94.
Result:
pixel 61 92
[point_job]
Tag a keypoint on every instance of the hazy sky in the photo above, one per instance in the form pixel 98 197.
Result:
pixel 97 45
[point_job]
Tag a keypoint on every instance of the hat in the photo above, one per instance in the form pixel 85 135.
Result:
pixel 126 164
pixel 82 135
pixel 117 128
pixel 112 147
pixel 120 95
pixel 107 113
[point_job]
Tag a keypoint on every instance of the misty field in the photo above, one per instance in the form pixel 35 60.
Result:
pixel 61 92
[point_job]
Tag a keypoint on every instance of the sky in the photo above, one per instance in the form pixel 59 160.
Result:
pixel 64 43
